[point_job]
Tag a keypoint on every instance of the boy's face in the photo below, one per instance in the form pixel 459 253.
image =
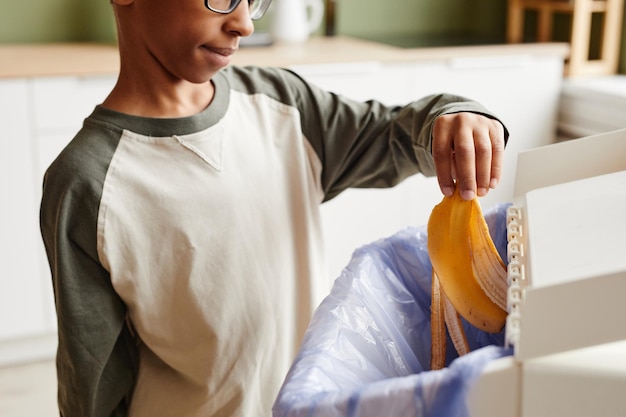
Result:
pixel 180 37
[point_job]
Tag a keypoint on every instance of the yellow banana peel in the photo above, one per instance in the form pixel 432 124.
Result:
pixel 469 276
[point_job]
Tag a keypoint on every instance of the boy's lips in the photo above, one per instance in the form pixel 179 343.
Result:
pixel 220 51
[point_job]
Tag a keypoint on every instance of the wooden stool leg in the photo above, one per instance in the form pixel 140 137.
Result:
pixel 515 24
pixel 611 36
pixel 544 32
pixel 581 33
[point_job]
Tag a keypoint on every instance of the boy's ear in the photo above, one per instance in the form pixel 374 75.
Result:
pixel 122 2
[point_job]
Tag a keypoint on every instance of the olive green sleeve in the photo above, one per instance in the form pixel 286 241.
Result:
pixel 96 356
pixel 367 145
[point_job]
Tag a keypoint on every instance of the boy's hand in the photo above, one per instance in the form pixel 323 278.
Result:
pixel 468 148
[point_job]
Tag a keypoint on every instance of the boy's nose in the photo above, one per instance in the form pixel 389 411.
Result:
pixel 239 20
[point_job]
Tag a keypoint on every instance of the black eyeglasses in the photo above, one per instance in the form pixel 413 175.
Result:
pixel 257 7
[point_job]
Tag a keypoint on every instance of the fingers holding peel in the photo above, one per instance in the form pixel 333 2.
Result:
pixel 468 149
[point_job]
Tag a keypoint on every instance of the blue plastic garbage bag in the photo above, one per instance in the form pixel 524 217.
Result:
pixel 366 352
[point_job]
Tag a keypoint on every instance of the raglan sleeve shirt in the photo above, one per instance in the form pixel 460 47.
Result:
pixel 371 145
pixel 353 144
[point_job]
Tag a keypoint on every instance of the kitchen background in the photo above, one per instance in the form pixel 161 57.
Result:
pixel 427 21
pixel 525 88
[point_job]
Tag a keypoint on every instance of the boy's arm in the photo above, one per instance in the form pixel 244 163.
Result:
pixel 373 145
pixel 368 144
pixel 96 356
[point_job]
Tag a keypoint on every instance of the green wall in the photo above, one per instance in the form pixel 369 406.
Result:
pixel 45 21
pixel 421 17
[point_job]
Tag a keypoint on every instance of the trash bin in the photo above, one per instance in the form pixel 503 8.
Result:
pixel 366 352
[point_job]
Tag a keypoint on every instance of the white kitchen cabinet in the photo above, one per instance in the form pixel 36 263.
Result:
pixel 23 292
pixel 62 103
pixel 40 116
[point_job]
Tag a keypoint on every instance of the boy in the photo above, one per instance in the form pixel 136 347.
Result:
pixel 181 224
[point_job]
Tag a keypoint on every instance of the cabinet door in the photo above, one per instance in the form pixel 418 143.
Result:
pixel 62 103
pixel 361 216
pixel 24 294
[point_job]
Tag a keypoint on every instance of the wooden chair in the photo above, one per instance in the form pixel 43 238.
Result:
pixel 581 12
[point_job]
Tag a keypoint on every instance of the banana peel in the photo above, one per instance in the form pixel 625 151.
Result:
pixel 469 276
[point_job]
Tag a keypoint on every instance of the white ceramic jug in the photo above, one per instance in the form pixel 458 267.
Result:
pixel 293 21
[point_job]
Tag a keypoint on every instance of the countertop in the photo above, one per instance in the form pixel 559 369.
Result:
pixel 97 59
